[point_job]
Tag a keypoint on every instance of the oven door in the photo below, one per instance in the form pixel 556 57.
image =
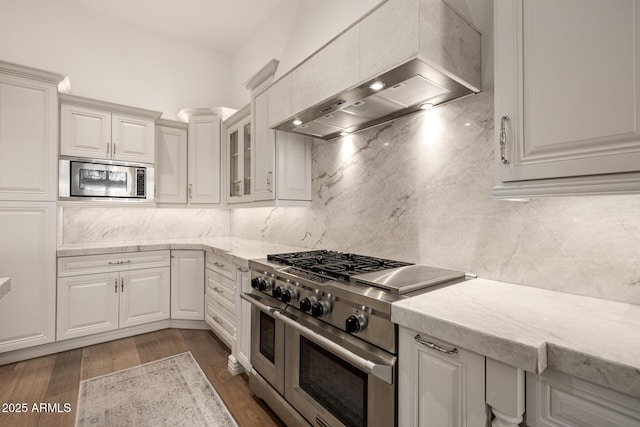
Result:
pixel 334 379
pixel 267 340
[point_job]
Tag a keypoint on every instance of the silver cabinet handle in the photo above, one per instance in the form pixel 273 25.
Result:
pixel 122 284
pixel 217 264
pixel 114 148
pixel 503 139
pixel 116 285
pixel 218 321
pixel 436 347
pixel 108 147
pixel 381 370
pixel 119 262
pixel 218 290
pixel 243 270
pixel 190 191
pixel 270 182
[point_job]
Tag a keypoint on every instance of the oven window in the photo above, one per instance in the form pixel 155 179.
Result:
pixel 333 383
pixel 267 336
pixel 102 180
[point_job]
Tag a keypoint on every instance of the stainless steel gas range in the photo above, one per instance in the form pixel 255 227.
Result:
pixel 323 347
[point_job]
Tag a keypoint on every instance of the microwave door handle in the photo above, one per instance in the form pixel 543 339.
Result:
pixel 382 371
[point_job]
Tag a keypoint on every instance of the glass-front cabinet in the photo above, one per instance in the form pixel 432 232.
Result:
pixel 239 157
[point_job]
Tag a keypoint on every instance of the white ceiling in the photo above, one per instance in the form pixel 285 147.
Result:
pixel 221 25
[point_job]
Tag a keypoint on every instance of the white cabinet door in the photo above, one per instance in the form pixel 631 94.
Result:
pixel 187 285
pixel 294 166
pixel 28 139
pixel 171 165
pixel 87 304
pixel 436 389
pixel 85 132
pixel 144 296
pixel 238 148
pixel 263 149
pixel 569 92
pixel 204 159
pixel 132 139
pixel 243 320
pixel 28 257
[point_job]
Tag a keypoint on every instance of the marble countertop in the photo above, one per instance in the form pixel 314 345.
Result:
pixel 5 286
pixel 239 250
pixel 533 329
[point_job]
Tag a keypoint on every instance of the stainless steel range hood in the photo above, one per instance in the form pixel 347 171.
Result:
pixel 444 67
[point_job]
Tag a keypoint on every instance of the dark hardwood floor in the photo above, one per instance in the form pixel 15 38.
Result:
pixel 56 378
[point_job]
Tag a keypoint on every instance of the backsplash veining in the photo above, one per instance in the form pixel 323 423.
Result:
pixel 419 189
pixel 84 224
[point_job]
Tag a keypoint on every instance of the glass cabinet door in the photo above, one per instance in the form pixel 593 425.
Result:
pixel 234 181
pixel 246 176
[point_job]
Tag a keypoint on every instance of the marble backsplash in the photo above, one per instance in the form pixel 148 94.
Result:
pixel 86 224
pixel 419 189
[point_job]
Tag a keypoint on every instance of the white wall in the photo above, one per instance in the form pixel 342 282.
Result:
pixel 291 34
pixel 110 60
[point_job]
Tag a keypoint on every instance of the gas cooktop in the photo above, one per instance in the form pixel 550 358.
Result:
pixel 396 277
pixel 339 265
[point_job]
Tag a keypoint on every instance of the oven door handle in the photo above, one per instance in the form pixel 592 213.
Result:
pixel 380 370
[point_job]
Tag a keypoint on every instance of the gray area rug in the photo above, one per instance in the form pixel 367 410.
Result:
pixel 168 392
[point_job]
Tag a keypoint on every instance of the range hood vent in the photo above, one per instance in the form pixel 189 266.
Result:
pixel 442 64
pixel 406 89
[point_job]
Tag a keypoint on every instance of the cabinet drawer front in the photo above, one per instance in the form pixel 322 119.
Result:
pixel 226 307
pixel 220 287
pixel 91 264
pixel 220 324
pixel 221 266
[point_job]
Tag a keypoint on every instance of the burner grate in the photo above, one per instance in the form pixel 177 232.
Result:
pixel 338 265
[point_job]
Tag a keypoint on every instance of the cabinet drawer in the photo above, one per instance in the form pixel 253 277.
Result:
pixel 219 286
pixel 221 266
pixel 219 323
pixel 92 264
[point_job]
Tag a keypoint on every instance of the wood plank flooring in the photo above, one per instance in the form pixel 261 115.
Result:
pixel 55 379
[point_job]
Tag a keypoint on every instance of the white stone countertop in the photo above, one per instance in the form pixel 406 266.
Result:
pixel 239 250
pixel 5 286
pixel 533 329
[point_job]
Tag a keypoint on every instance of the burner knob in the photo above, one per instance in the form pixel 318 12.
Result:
pixel 289 294
pixel 355 323
pixel 277 292
pixel 307 303
pixel 320 308
pixel 265 285
pixel 255 282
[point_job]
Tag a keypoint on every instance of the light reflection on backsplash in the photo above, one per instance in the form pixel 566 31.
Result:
pixel 419 189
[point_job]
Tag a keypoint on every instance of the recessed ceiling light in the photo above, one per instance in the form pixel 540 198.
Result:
pixel 426 106
pixel 344 133
pixel 297 122
pixel 377 85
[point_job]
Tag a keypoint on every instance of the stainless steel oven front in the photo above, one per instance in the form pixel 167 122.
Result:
pixel 329 377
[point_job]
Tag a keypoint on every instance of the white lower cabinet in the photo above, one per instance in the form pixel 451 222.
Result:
pixel 220 309
pixel 243 319
pixel 116 291
pixel 439 384
pixel 555 399
pixel 187 285
pixel 28 257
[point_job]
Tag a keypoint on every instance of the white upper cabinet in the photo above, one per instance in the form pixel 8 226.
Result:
pixel 204 157
pixel 171 162
pixel 280 162
pixel 566 94
pixel 101 130
pixel 239 158
pixel 28 133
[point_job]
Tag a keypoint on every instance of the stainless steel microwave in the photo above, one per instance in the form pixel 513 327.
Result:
pixel 102 179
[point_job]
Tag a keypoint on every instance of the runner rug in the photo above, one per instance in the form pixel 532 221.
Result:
pixel 168 392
